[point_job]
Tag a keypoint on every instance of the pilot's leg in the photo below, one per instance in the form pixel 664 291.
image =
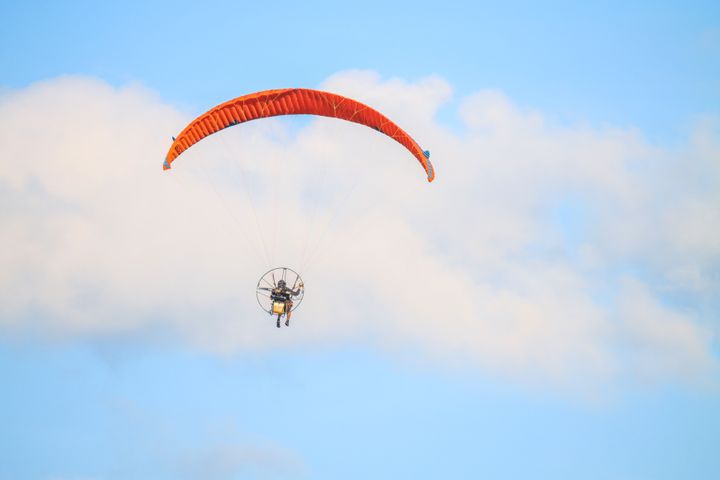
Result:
pixel 288 311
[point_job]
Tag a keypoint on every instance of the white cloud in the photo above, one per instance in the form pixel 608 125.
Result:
pixel 228 461
pixel 165 445
pixel 483 268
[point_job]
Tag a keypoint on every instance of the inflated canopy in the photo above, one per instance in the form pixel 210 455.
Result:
pixel 292 101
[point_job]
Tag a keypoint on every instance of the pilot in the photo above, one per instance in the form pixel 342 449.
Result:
pixel 281 297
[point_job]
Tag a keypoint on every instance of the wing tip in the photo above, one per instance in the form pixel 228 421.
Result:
pixel 429 166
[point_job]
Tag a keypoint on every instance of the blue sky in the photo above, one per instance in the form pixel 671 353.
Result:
pixel 649 64
pixel 348 414
pixel 577 156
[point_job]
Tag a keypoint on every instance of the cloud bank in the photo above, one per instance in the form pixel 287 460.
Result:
pixel 542 252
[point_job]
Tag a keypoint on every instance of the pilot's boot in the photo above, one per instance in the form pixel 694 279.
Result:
pixel 278 321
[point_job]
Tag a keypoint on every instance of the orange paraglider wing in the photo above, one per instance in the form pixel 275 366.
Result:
pixel 292 101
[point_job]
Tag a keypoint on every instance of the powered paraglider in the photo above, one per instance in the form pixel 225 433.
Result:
pixel 281 290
